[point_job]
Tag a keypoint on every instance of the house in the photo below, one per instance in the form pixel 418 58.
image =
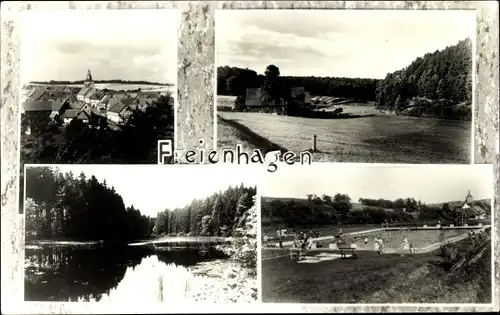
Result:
pixel 253 97
pixel 118 111
pixel 68 115
pixel 300 95
pixel 41 95
pixel 83 116
pixel 83 93
pixel 469 210
pixel 37 106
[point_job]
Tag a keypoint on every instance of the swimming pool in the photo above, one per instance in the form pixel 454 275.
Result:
pixel 392 238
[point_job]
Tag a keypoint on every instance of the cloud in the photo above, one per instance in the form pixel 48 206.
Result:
pixel 352 43
pixel 114 44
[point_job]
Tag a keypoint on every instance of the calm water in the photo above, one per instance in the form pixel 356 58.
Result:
pixel 93 272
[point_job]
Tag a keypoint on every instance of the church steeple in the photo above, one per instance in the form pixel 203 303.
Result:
pixel 89 76
pixel 468 198
pixel 89 82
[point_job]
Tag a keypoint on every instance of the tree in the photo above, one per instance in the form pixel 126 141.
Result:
pixel 271 92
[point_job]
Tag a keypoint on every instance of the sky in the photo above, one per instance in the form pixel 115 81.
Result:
pixel 113 44
pixel 427 183
pixel 152 189
pixel 336 43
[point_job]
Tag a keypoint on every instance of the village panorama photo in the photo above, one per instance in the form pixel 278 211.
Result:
pixel 370 86
pixel 97 88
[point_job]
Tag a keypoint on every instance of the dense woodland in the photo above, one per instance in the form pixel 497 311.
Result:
pixel 234 81
pixel 439 84
pixel 218 215
pixel 62 206
pixel 339 209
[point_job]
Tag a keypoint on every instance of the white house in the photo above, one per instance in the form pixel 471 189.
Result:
pixel 118 111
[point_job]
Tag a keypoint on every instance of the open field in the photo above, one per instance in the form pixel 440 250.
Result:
pixel 373 278
pixel 374 138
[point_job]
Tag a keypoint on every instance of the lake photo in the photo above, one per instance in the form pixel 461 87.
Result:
pixel 93 235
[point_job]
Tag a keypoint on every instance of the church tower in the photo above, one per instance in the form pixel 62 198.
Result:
pixel 89 83
pixel 469 198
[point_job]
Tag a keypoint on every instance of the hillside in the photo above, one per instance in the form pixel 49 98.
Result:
pixel 484 204
pixel 439 84
pixel 327 210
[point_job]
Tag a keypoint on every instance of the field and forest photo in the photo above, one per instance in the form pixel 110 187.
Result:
pixel 416 111
pixel 87 239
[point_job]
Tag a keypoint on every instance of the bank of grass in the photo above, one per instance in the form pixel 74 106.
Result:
pixel 374 278
pixel 379 138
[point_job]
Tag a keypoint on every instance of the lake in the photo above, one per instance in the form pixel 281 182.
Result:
pixel 96 273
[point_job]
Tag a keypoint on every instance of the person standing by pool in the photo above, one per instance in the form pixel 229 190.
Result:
pixel 366 241
pixel 376 245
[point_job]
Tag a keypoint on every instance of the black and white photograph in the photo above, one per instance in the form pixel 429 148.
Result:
pixel 373 233
pixel 93 234
pixel 98 86
pixel 370 86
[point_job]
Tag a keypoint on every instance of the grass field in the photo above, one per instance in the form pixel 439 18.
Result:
pixel 375 138
pixel 373 278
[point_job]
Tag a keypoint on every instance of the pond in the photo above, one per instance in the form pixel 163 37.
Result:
pixel 96 273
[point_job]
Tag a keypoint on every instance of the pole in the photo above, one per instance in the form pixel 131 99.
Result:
pixel 314 143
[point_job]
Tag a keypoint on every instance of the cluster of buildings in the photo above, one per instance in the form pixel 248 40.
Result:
pixel 298 94
pixel 68 103
pixel 469 210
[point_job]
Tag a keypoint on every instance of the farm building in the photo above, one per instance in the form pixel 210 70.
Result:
pixel 297 94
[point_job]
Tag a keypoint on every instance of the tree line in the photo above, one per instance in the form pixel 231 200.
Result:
pixel 409 204
pixel 234 81
pixel 338 209
pixel 220 214
pixel 61 206
pixel 439 84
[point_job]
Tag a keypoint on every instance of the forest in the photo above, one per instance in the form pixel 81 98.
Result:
pixel 61 206
pixel 218 215
pixel 234 81
pixel 439 84
pixel 339 209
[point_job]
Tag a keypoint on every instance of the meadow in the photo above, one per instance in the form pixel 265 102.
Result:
pixel 374 278
pixel 372 138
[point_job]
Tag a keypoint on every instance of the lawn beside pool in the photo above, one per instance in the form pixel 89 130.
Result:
pixel 372 278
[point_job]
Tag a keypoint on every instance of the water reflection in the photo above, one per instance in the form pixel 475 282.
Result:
pixel 84 273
